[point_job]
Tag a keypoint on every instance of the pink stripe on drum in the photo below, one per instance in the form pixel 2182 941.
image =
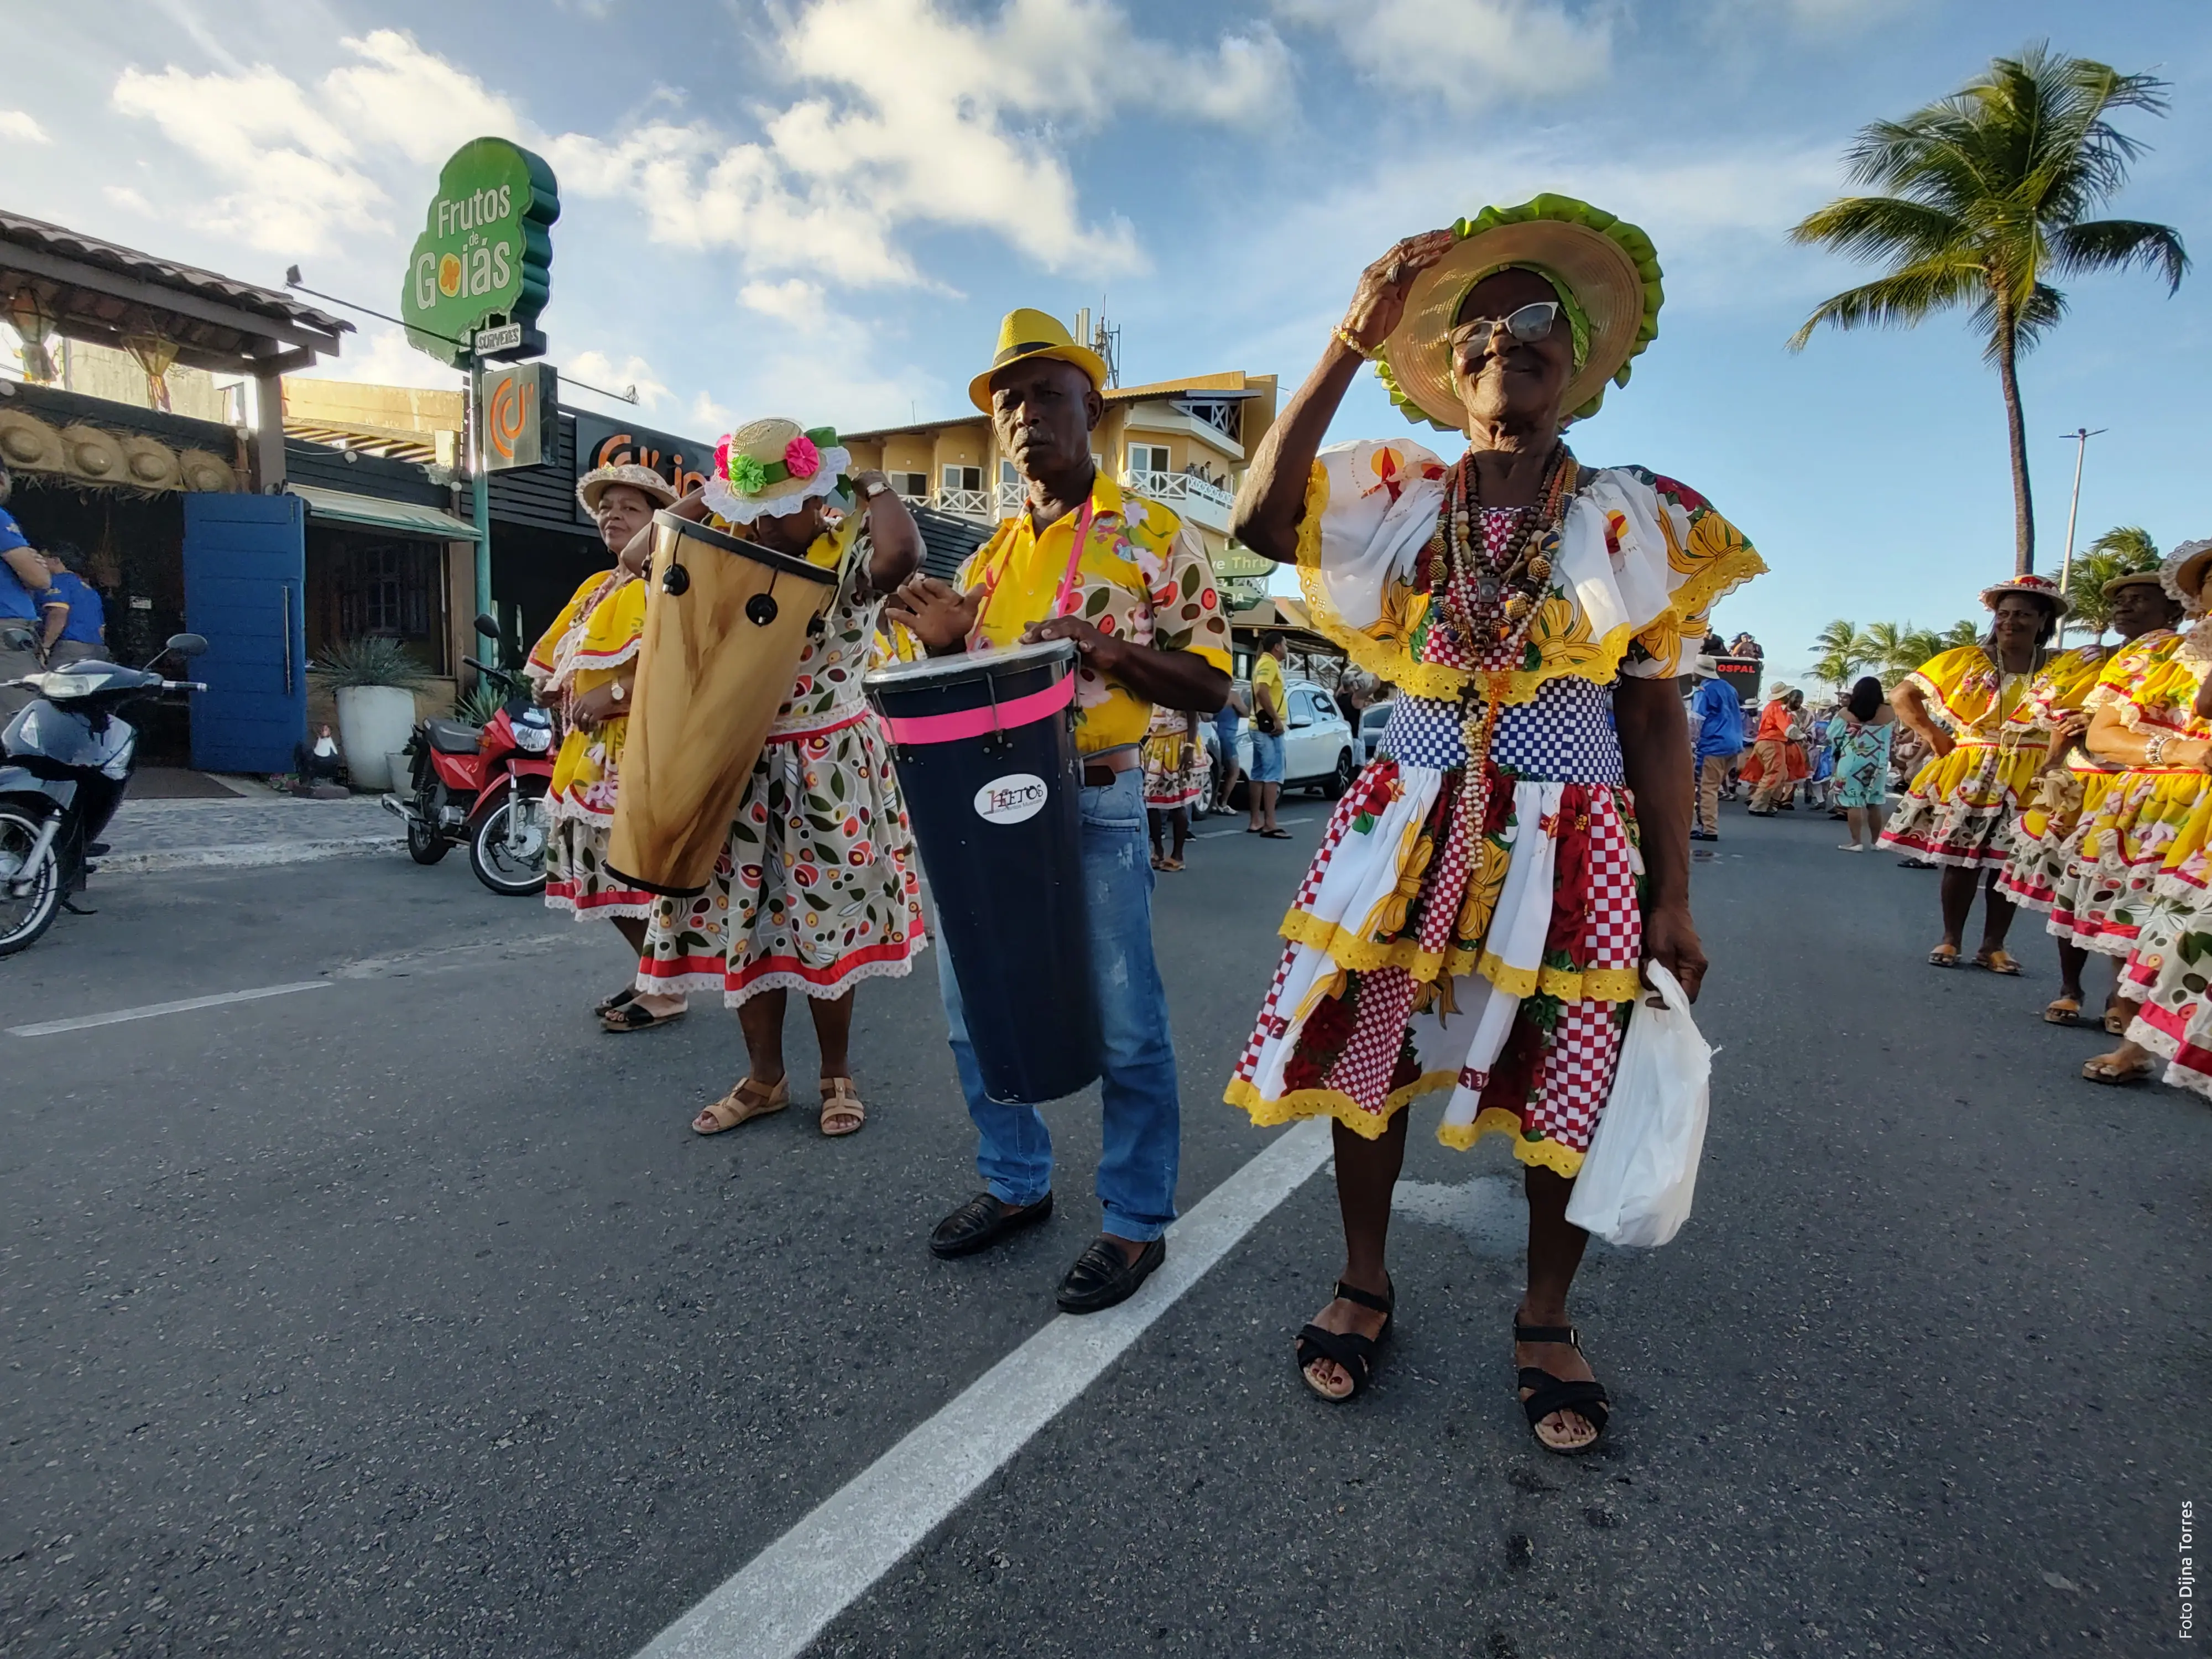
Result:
pixel 976 722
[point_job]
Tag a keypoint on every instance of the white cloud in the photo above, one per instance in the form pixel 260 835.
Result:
pixel 415 101
pixel 926 116
pixel 710 416
pixel 1464 49
pixel 602 370
pixel 381 356
pixel 262 131
pixel 22 127
pixel 123 197
pixel 795 302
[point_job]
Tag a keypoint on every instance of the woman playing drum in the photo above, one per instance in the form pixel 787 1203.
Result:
pixel 583 669
pixel 818 888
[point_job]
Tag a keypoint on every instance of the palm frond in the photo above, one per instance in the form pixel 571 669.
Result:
pixel 2044 308
pixel 2117 244
pixel 1867 227
pixel 1900 300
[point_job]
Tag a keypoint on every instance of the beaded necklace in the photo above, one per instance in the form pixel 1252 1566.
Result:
pixel 1459 566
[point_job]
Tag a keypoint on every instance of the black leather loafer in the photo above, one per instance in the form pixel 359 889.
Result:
pixel 981 1222
pixel 1103 1276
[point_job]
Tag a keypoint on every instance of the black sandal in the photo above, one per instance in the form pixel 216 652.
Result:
pixel 1354 1352
pixel 631 1017
pixel 621 999
pixel 1587 1401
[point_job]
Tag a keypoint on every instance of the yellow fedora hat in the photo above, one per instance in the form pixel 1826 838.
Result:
pixel 1026 333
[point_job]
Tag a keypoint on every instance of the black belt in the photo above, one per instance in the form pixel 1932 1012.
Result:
pixel 1101 774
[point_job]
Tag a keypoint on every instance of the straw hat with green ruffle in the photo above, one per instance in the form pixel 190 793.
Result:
pixel 1605 270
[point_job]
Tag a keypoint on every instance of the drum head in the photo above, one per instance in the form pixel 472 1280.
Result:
pixel 673 535
pixel 971 665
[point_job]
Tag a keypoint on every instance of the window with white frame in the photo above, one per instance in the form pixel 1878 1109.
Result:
pixel 912 485
pixel 1148 458
pixel 961 478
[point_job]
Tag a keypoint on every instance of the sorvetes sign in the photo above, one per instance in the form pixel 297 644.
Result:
pixel 484 258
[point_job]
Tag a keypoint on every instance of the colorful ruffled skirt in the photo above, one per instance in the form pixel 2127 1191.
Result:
pixel 2169 971
pixel 581 808
pixel 2118 855
pixel 819 887
pixel 2043 833
pixel 1960 806
pixel 1497 962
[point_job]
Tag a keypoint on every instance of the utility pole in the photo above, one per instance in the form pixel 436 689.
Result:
pixel 2080 436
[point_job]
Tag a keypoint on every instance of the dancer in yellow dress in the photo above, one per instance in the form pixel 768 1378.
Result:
pixel 1973 708
pixel 2072 783
pixel 582 668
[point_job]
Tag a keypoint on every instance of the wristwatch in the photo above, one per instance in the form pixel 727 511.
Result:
pixel 874 489
pixel 616 691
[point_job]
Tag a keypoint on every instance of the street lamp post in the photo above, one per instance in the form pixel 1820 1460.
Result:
pixel 2080 436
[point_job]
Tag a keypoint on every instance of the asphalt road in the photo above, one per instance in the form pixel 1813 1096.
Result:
pixel 406 1316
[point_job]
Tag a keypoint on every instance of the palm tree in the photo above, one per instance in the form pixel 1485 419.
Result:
pixel 1990 191
pixel 2125 550
pixel 1895 649
pixel 1840 651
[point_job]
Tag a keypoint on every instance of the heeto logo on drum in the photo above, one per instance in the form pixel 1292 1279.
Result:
pixel 1014 798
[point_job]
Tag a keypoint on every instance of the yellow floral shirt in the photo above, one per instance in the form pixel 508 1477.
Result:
pixel 1142 577
pixel 591 642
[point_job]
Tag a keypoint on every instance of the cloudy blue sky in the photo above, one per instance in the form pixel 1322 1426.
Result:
pixel 821 207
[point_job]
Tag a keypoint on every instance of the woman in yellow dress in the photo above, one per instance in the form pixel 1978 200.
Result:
pixel 2072 783
pixel 2143 721
pixel 582 669
pixel 1972 708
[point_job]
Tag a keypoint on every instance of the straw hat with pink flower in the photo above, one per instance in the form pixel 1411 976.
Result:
pixel 766 469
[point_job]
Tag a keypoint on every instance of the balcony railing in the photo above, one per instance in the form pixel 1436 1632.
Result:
pixel 968 503
pixel 1174 488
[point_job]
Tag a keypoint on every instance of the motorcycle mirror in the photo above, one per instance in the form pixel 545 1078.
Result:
pixel 187 644
pixel 487 624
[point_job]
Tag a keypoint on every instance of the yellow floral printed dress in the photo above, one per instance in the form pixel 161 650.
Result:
pixel 1961 806
pixel 819 887
pixel 1493 960
pixel 2042 835
pixel 2120 850
pixel 590 643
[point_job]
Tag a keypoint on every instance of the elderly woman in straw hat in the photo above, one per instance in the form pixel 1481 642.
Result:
pixel 819 888
pixel 583 668
pixel 2115 897
pixel 2074 782
pixel 1472 924
pixel 1986 735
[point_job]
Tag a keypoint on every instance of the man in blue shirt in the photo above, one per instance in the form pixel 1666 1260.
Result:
pixel 26 591
pixel 1719 719
pixel 83 630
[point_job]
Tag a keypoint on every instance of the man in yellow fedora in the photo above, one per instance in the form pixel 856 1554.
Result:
pixel 1120 576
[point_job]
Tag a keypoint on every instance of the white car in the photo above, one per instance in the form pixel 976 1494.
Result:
pixel 1319 749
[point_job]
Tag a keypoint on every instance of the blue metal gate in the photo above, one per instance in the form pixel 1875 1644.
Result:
pixel 246 561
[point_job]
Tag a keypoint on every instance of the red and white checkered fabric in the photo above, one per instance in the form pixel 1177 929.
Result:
pixel 1577 1075
pixel 1613 935
pixel 1363 1069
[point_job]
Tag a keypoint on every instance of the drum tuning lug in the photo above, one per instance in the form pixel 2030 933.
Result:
pixel 675 580
pixel 760 609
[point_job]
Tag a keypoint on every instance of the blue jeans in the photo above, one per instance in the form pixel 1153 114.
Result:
pixel 1267 756
pixel 1136 1165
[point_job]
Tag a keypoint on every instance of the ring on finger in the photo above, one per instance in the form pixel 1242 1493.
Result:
pixel 1395 273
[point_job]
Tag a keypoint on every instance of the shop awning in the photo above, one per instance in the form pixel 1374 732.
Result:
pixel 400 518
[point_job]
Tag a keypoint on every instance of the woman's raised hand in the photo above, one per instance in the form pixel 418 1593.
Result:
pixel 1379 302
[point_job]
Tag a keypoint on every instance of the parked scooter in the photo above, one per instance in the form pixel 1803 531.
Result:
pixel 484 785
pixel 65 761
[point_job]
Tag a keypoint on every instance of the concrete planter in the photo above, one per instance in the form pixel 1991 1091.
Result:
pixel 374 720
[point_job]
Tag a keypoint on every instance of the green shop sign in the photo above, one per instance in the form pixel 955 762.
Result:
pixel 483 256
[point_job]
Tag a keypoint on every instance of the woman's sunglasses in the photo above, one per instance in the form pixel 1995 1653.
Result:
pixel 1531 323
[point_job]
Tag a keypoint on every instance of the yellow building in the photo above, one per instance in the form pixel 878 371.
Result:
pixel 1183 442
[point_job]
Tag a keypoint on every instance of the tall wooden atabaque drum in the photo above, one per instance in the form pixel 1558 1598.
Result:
pixel 725 623
pixel 985 748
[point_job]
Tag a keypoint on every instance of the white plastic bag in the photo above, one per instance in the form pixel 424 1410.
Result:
pixel 1638 1178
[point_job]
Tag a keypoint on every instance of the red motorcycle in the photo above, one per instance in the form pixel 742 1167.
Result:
pixel 486 786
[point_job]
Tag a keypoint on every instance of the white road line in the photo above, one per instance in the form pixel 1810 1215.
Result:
pixel 54 1027
pixel 781 1599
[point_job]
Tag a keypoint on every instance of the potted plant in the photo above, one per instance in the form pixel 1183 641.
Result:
pixel 374 679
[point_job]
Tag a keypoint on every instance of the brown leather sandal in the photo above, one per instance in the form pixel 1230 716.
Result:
pixel 747 1101
pixel 842 1114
